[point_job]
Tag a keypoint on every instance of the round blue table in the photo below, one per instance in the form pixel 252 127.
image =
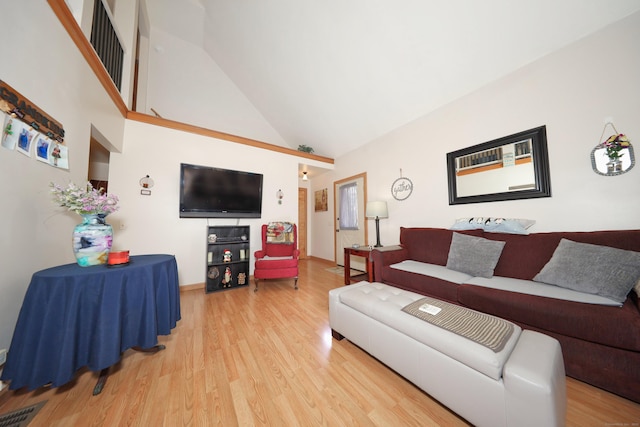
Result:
pixel 73 317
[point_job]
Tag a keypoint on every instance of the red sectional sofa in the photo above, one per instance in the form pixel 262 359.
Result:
pixel 600 343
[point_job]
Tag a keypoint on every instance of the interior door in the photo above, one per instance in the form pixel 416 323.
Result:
pixel 302 222
pixel 358 235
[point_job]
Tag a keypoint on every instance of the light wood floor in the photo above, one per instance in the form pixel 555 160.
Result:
pixel 239 358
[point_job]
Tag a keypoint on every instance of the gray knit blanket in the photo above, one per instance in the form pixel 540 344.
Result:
pixel 489 331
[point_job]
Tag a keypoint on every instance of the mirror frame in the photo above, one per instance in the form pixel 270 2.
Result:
pixel 542 187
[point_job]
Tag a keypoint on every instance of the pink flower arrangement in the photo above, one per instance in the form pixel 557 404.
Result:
pixel 84 201
pixel 616 143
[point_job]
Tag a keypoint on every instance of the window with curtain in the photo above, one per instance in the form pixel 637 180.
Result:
pixel 349 206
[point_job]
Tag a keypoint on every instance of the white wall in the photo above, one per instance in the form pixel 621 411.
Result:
pixel 151 224
pixel 186 85
pixel 42 63
pixel 571 92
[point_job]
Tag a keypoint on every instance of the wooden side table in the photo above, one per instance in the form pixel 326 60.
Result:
pixel 363 251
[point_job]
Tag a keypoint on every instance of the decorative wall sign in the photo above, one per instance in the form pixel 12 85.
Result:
pixel 29 113
pixel 27 129
pixel 146 183
pixel 401 188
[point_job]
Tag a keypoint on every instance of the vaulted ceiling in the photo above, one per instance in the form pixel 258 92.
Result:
pixel 336 74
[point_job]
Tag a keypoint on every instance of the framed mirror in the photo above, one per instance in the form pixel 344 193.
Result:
pixel 509 168
pixel 602 165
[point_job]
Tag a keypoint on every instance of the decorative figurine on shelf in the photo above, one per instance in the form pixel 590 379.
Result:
pixel 226 256
pixel 226 280
pixel 242 277
pixel 213 273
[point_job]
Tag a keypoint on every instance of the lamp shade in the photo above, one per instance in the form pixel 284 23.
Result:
pixel 377 210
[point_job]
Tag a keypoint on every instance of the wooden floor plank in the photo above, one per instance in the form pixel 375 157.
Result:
pixel 244 358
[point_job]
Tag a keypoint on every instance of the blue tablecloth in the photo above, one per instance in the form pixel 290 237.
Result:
pixel 76 316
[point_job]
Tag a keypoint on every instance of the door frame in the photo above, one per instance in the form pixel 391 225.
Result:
pixel 336 185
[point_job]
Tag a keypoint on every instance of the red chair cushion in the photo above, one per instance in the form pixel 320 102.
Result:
pixel 275 264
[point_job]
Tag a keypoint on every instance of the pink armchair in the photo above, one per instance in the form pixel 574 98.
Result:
pixel 279 256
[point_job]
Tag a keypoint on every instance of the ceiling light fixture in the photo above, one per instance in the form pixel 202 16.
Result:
pixel 304 176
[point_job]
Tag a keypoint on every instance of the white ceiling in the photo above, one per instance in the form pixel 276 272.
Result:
pixel 336 74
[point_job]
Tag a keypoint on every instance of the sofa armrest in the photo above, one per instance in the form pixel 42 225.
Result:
pixel 384 257
pixel 259 254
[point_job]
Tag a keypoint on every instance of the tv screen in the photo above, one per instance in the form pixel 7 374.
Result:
pixel 208 192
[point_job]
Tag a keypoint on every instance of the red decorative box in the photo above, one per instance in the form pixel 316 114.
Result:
pixel 118 257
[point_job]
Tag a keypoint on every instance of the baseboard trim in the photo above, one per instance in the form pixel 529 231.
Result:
pixel 194 287
pixel 323 260
pixel 200 286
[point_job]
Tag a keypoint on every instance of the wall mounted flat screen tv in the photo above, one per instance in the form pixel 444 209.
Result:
pixel 208 192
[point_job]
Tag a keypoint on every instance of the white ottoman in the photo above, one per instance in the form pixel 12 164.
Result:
pixel 523 384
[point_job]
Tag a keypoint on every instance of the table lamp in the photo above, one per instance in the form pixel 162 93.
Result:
pixel 377 210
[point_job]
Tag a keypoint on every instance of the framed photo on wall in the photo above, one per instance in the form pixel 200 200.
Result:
pixel 321 204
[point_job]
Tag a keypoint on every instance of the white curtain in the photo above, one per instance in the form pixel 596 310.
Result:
pixel 349 206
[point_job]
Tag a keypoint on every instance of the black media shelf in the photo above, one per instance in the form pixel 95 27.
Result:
pixel 228 257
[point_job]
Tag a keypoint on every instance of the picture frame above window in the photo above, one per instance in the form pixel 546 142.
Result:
pixel 508 168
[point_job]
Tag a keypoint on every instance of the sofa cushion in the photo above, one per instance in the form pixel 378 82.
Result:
pixel 600 325
pixel 438 271
pixel 474 255
pixel 530 287
pixel 524 256
pixel 594 269
pixel 276 262
pixel 426 285
pixel 429 245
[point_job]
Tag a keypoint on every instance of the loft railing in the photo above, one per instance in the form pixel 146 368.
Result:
pixel 106 43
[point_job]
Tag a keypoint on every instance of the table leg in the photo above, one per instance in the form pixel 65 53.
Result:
pixel 102 379
pixel 347 266
pixel 104 374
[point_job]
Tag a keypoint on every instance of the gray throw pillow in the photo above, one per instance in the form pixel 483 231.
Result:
pixel 474 255
pixel 593 269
